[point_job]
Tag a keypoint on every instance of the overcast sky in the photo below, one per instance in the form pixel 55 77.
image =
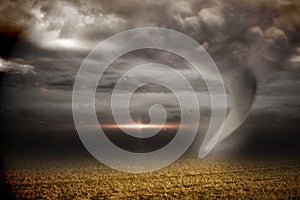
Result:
pixel 255 44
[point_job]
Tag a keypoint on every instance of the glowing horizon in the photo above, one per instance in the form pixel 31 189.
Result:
pixel 140 126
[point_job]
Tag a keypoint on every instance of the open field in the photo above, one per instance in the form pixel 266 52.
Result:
pixel 188 178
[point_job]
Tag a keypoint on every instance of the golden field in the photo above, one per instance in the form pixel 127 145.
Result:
pixel 187 178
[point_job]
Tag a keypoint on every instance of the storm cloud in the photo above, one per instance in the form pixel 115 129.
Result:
pixel 255 45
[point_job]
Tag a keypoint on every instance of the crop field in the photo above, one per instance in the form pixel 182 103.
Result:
pixel 188 178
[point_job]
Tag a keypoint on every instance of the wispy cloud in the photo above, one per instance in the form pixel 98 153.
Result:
pixel 12 66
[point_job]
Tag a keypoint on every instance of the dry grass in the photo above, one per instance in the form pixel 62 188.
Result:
pixel 188 178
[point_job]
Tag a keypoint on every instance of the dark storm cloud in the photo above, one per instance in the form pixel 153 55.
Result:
pixel 16 17
pixel 259 37
pixel 236 33
pixel 81 25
